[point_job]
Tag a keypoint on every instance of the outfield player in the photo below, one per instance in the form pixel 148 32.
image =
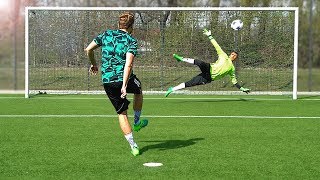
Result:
pixel 118 49
pixel 210 71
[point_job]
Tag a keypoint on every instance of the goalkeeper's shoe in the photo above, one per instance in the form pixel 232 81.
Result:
pixel 177 57
pixel 135 151
pixel 143 123
pixel 170 90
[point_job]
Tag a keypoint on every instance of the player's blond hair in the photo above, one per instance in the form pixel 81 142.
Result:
pixel 126 20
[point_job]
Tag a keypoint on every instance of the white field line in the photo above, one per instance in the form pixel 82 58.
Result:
pixel 151 116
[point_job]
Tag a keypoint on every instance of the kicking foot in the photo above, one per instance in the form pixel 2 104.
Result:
pixel 143 123
pixel 170 90
pixel 177 57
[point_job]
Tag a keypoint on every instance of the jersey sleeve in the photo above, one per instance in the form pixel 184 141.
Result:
pixel 217 47
pixel 133 46
pixel 233 77
pixel 98 39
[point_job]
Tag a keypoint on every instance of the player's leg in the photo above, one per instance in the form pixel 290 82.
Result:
pixel 200 79
pixel 203 78
pixel 180 58
pixel 134 86
pixel 126 129
pixel 137 107
pixel 175 88
pixel 204 67
pixel 113 91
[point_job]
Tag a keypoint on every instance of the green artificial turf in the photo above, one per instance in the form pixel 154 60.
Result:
pixel 195 137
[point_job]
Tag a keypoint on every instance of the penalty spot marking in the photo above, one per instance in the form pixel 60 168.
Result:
pixel 152 164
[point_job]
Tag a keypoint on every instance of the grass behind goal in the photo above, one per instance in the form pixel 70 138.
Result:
pixel 195 137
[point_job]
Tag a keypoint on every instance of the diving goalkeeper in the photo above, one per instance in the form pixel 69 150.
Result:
pixel 210 71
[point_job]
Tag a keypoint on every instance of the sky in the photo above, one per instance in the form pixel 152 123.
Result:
pixel 4 14
pixel 4 4
pixel 4 8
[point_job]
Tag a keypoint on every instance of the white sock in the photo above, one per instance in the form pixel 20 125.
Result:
pixel 130 140
pixel 180 86
pixel 188 60
pixel 136 117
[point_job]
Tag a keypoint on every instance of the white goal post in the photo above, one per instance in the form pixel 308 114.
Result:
pixel 49 64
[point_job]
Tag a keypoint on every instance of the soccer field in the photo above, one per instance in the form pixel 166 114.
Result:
pixel 194 137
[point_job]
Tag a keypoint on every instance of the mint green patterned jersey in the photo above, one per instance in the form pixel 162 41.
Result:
pixel 114 46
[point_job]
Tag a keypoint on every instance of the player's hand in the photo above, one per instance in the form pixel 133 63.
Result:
pixel 93 70
pixel 123 92
pixel 206 32
pixel 246 90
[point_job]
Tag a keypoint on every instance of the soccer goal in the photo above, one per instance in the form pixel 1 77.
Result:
pixel 55 38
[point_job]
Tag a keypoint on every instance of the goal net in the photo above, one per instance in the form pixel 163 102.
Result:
pixel 267 46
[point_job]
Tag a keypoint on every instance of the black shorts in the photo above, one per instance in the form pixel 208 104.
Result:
pixel 203 78
pixel 113 91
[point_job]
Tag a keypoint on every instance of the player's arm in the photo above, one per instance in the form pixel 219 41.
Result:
pixel 126 73
pixel 235 82
pixel 213 41
pixel 89 51
pixel 131 53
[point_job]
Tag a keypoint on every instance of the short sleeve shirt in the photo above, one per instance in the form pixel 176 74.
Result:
pixel 114 46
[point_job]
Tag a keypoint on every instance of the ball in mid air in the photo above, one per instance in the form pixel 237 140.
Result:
pixel 237 24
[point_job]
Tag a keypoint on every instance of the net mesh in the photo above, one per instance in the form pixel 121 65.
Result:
pixel 57 39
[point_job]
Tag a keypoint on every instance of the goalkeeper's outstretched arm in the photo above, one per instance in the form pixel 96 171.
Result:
pixel 213 41
pixel 235 82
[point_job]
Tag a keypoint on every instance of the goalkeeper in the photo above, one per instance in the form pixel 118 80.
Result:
pixel 210 71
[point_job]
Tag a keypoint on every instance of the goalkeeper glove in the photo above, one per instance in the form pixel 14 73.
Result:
pixel 207 33
pixel 246 90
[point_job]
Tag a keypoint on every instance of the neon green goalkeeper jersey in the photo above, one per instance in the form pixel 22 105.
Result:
pixel 223 66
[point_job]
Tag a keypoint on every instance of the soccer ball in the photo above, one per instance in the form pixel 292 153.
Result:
pixel 237 24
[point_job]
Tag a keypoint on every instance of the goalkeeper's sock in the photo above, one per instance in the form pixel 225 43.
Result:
pixel 188 60
pixel 180 86
pixel 137 117
pixel 179 58
pixel 130 140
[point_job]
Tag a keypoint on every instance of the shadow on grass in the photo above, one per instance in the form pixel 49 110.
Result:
pixel 169 144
